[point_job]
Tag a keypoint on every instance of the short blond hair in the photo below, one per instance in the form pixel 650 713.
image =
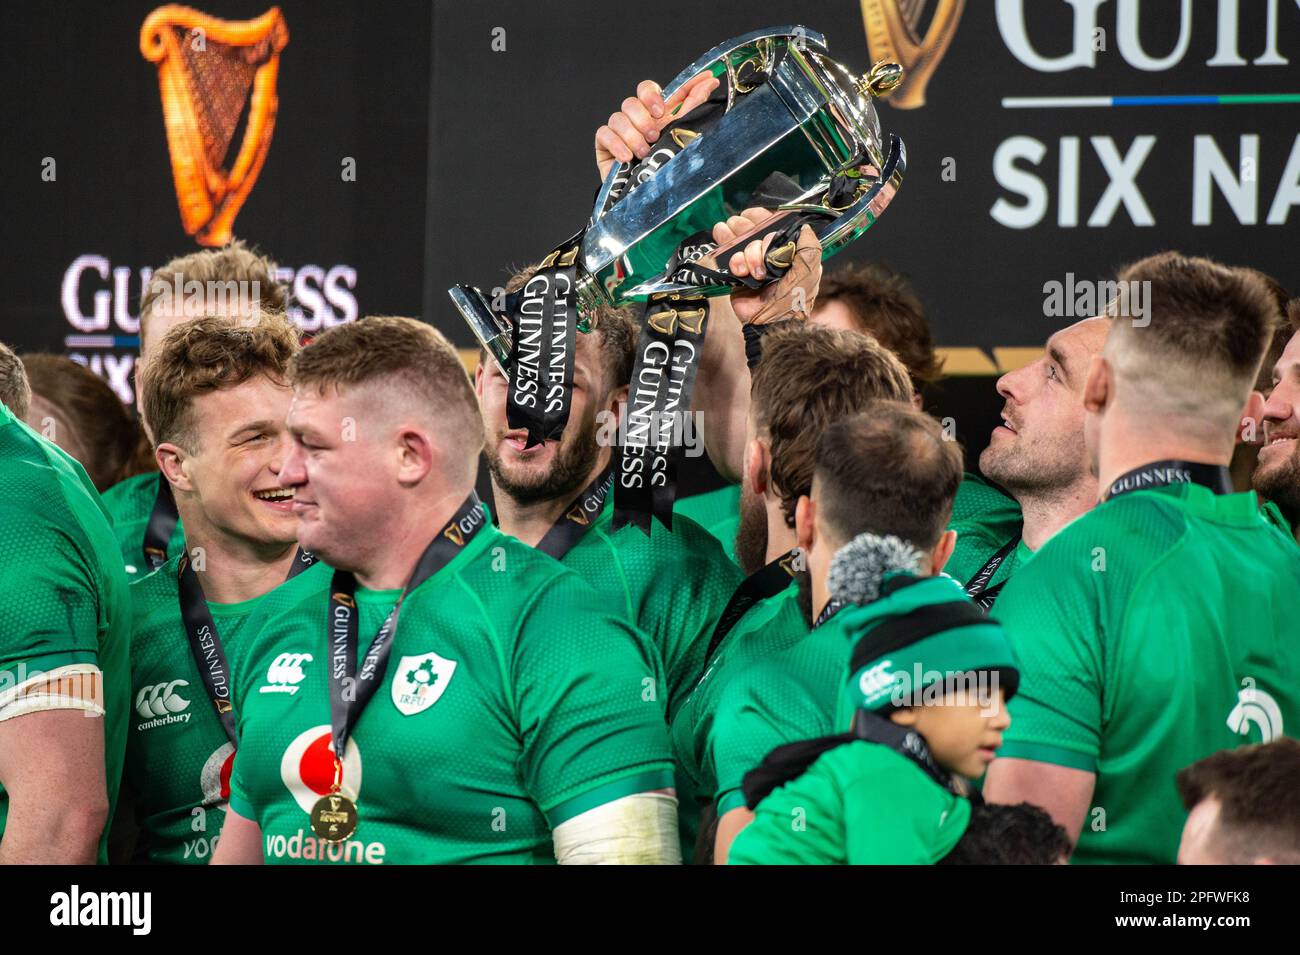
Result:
pixel 206 355
pixel 231 263
pixel 409 357
pixel 15 392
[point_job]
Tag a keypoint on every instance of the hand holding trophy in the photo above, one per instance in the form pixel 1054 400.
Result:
pixel 765 121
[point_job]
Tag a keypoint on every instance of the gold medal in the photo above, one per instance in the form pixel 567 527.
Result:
pixel 334 817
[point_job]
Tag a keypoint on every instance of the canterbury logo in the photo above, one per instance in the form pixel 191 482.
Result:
pixel 209 70
pixel 161 699
pixel 285 673
pixel 892 34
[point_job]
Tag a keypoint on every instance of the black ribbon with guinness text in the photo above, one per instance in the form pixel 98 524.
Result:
pixel 544 322
pixel 352 688
pixel 577 517
pixel 205 642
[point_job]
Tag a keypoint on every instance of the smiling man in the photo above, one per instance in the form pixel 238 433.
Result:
pixel 502 717
pixel 1037 455
pixel 217 395
pixel 235 283
pixel 1277 475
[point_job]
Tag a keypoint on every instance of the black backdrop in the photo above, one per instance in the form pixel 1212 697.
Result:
pixel 469 160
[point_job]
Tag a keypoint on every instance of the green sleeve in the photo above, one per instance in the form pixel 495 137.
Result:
pixel 592 728
pixel 754 717
pixel 1050 611
pixel 893 813
pixel 50 612
pixel 239 800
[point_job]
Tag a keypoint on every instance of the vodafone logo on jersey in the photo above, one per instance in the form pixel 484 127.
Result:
pixel 214 778
pixel 307 767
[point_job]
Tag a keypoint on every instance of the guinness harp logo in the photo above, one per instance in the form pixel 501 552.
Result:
pixel 892 34
pixel 211 73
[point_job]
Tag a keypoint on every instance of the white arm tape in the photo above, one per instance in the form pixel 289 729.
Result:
pixel 635 830
pixel 72 687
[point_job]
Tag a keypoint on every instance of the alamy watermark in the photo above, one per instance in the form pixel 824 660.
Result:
pixel 1082 299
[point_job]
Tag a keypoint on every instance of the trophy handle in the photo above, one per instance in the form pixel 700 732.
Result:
pixel 849 223
pixel 802 33
pixel 483 322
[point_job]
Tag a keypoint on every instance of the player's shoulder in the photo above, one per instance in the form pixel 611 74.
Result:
pixel 688 550
pixel 510 581
pixel 154 594
pixel 1143 527
pixel 131 498
pixel 43 491
pixel 981 501
pixel 286 604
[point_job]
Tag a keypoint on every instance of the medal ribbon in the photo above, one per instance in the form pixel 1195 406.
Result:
pixel 162 524
pixel 205 642
pixel 766 582
pixel 578 517
pixel 351 689
pixel 977 588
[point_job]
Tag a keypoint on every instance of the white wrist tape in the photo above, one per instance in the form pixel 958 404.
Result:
pixel 635 830
pixel 77 686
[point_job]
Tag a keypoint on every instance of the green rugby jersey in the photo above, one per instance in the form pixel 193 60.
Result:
pixel 66 599
pixel 514 699
pixel 130 505
pixel 797 693
pixel 768 627
pixel 1154 630
pixel 1273 514
pixel 858 804
pixel 673 586
pixel 178 759
pixel 718 512
pixel 985 520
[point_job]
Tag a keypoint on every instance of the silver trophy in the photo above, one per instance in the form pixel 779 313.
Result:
pixel 791 116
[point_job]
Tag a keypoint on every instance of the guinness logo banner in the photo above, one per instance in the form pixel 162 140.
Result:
pixel 209 72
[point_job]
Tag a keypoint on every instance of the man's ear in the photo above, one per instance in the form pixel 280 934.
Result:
pixel 1098 386
pixel 757 465
pixel 415 455
pixel 1250 429
pixel 617 399
pixel 805 522
pixel 478 379
pixel 942 551
pixel 171 460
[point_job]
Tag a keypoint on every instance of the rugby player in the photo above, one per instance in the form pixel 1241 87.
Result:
pixel 557 496
pixel 1277 473
pixel 217 395
pixel 64 633
pixel 807 379
pixel 507 714
pixel 232 281
pixel 1160 626
pixel 884 471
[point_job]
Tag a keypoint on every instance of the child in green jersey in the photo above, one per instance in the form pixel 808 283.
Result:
pixel 927 694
